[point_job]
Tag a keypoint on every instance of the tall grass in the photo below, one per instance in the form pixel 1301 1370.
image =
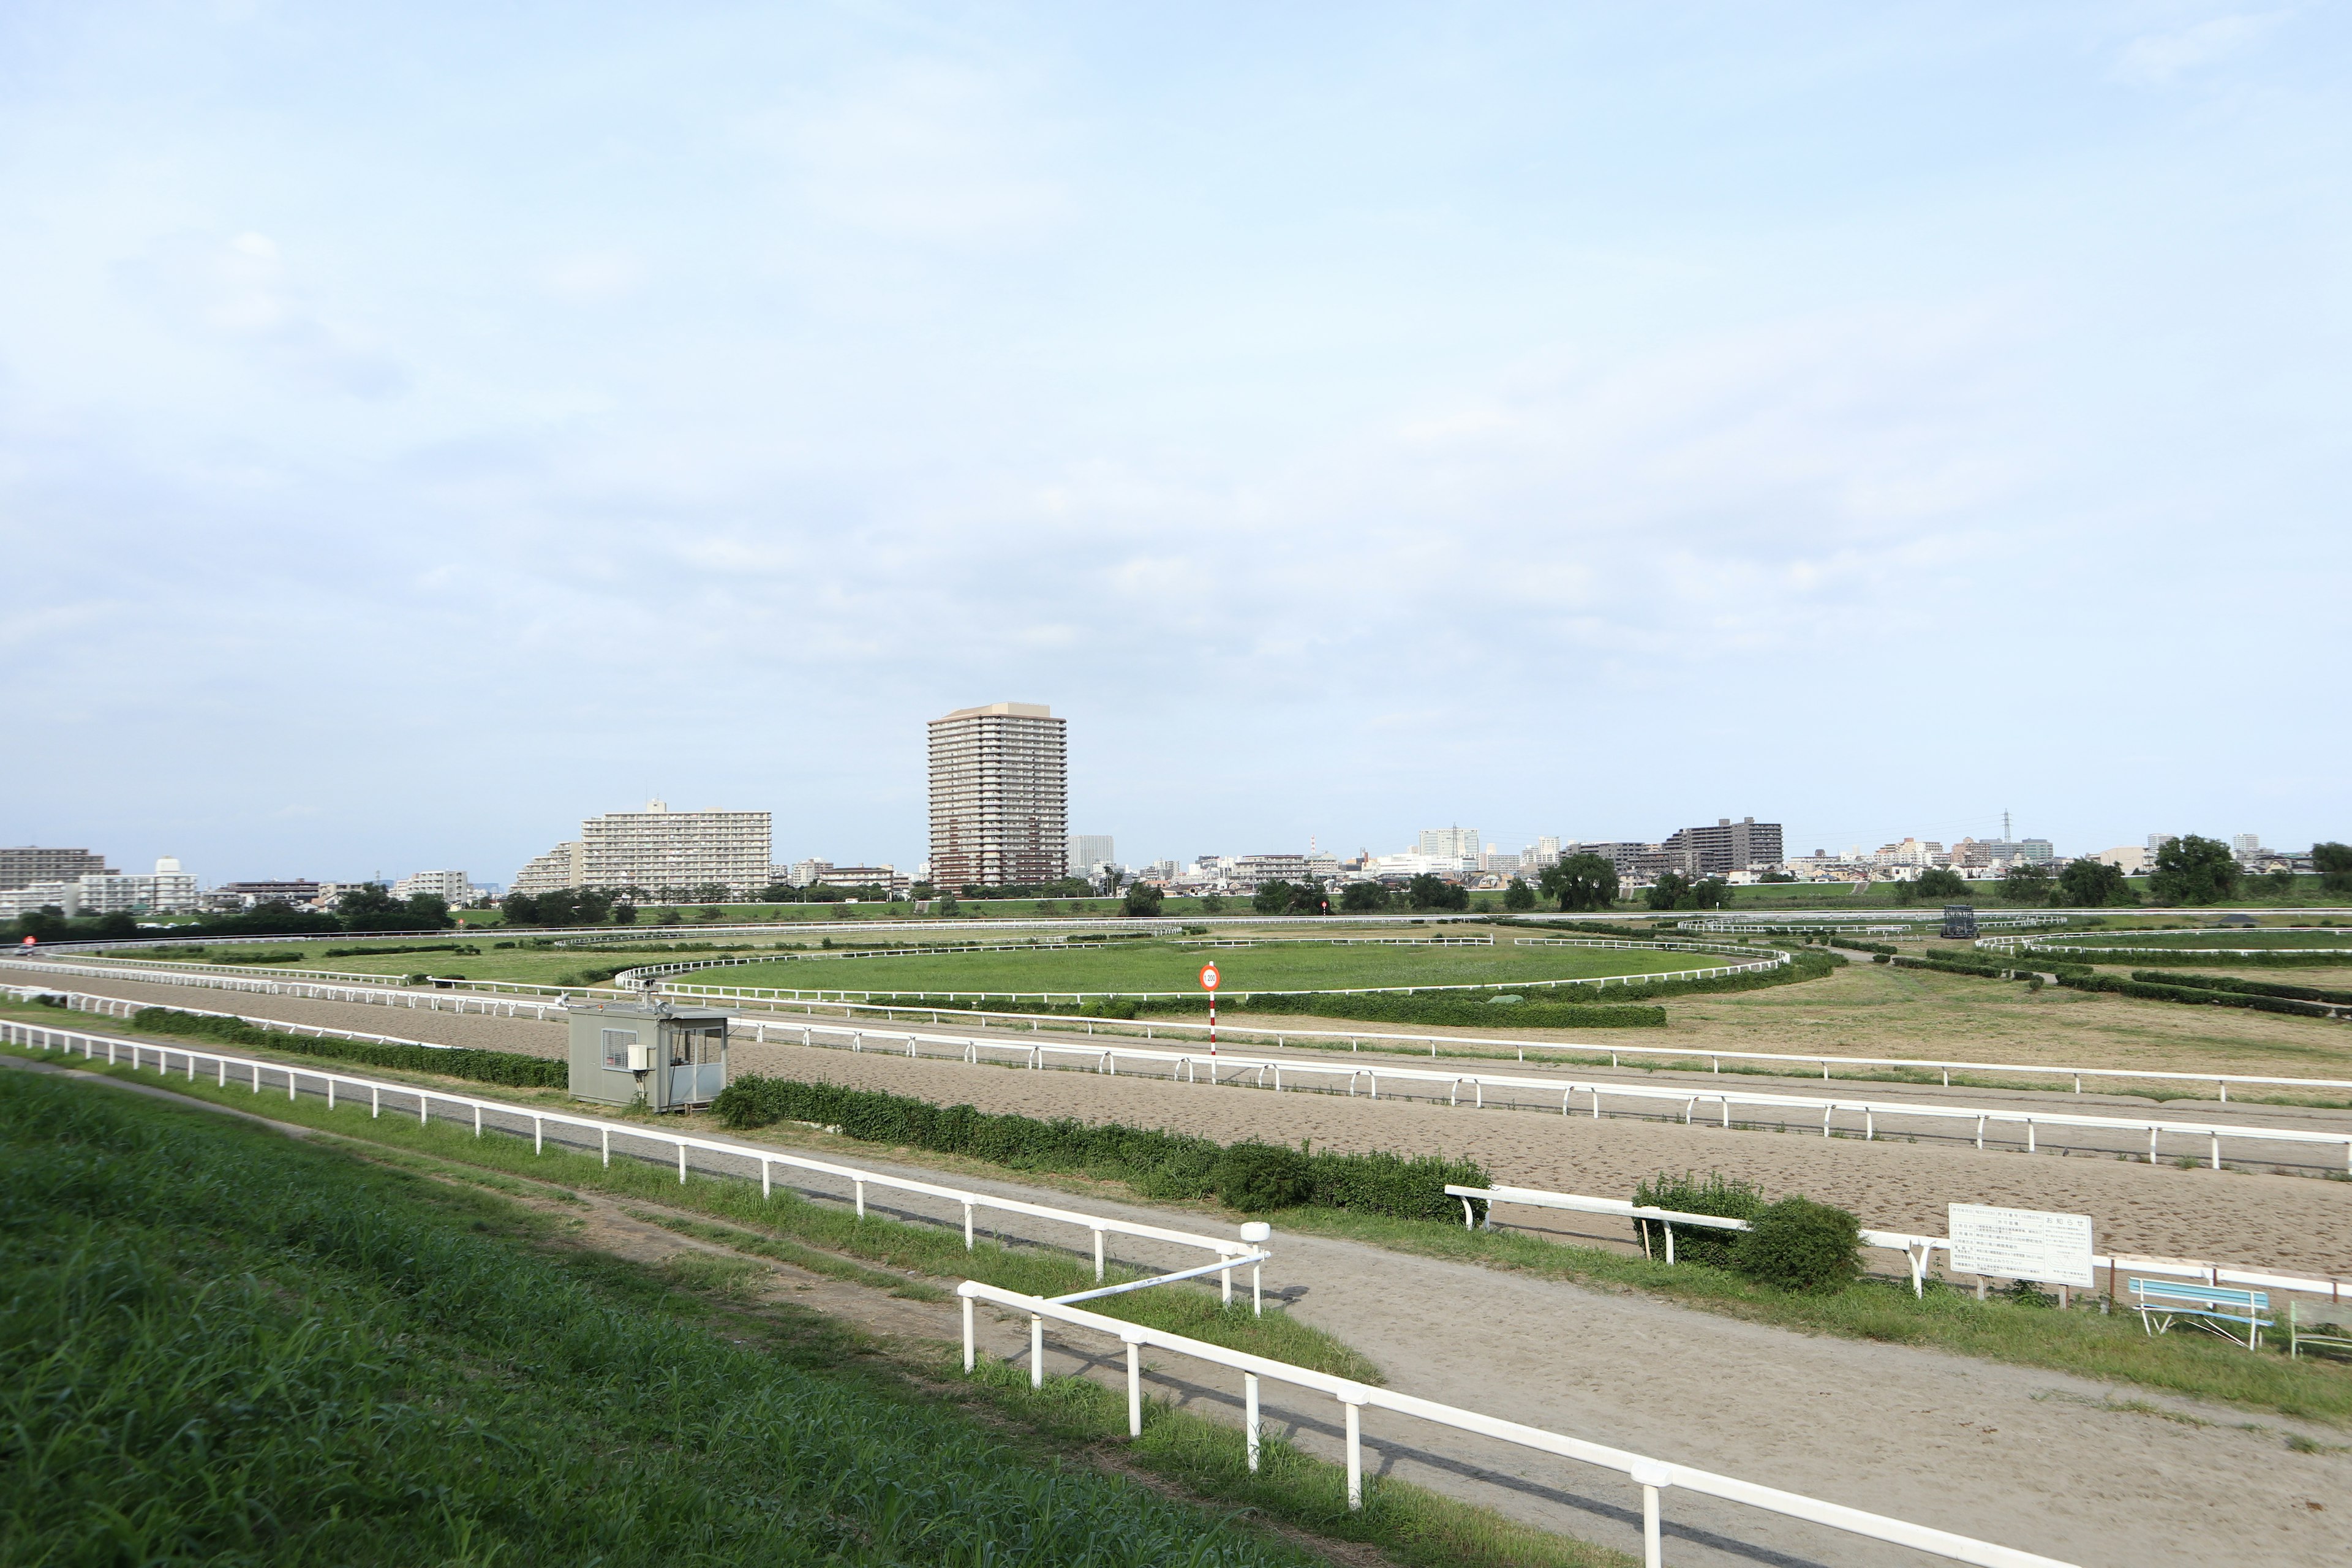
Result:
pixel 219 1346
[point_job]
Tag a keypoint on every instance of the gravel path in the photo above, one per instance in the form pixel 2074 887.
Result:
pixel 2050 1463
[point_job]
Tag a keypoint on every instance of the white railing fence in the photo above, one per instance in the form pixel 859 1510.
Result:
pixel 1225 1067
pixel 517 999
pixel 1651 1476
pixel 427 1101
pixel 1917 1249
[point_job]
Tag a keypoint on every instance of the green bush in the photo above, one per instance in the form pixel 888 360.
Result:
pixel 1258 1178
pixel 505 1068
pixel 1799 1244
pixel 1155 1163
pixel 2249 987
pixel 1716 1194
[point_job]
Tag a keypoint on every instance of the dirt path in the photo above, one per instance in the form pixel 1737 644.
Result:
pixel 2230 1216
pixel 2226 1215
pixel 2040 1460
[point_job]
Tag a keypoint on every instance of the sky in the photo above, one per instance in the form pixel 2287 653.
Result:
pixel 422 427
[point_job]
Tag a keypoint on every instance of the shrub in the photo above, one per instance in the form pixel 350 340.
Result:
pixel 1717 1194
pixel 1155 1163
pixel 508 1068
pixel 1799 1244
pixel 1257 1178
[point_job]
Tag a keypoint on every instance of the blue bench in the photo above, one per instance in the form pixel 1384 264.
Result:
pixel 2214 1307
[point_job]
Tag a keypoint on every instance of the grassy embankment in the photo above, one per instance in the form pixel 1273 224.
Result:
pixel 2081 1341
pixel 192 1371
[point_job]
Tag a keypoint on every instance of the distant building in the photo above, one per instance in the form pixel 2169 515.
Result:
pixel 166 890
pixel 1258 871
pixel 1086 853
pixel 2247 848
pixel 2129 859
pixel 2156 841
pixel 28 864
pixel 659 848
pixel 999 796
pixel 450 886
pixel 560 868
pixel 1451 843
pixel 825 874
pixel 1727 847
pixel 1500 862
pixel 245 895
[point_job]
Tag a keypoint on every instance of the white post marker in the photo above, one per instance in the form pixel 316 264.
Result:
pixel 1209 984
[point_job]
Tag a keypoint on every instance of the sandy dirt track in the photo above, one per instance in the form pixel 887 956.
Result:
pixel 2227 1215
pixel 2224 1215
pixel 2031 1459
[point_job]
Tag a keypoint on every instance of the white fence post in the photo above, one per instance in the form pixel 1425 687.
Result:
pixel 1249 1418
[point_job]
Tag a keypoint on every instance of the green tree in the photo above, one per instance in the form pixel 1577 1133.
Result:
pixel 1936 882
pixel 1142 899
pixel 1272 898
pixel 429 912
pixel 1212 904
pixel 1431 891
pixel 1585 881
pixel 948 905
pixel 1710 893
pixel 2279 884
pixel 2334 864
pixel 520 909
pixel 1668 890
pixel 1310 898
pixel 1518 895
pixel 1363 898
pixel 2093 884
pixel 2191 869
pixel 2025 882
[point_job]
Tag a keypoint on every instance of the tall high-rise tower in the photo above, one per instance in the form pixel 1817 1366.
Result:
pixel 999 795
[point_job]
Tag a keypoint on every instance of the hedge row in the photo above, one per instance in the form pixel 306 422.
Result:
pixel 2285 958
pixel 1157 1164
pixel 482 1067
pixel 2252 987
pixel 2193 995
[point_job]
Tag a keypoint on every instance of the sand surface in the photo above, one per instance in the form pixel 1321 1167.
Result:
pixel 2035 1459
pixel 2290 1223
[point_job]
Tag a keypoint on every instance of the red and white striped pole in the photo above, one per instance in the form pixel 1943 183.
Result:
pixel 1209 984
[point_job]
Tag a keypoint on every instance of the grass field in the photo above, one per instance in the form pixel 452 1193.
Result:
pixel 368 1367
pixel 1159 966
pixel 1126 966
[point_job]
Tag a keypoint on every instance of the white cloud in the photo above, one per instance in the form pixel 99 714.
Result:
pixel 241 291
pixel 2157 58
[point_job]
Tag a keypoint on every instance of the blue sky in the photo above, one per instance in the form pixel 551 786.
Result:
pixel 423 426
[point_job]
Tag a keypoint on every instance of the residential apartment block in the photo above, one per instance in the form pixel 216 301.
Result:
pixel 659 848
pixel 451 885
pixel 999 795
pixel 166 890
pixel 1087 851
pixel 28 864
pixel 1726 848
pixel 561 867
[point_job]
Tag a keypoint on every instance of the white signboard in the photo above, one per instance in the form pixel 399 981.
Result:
pixel 2022 1244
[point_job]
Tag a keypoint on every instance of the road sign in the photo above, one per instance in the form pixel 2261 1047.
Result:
pixel 2021 1244
pixel 1208 977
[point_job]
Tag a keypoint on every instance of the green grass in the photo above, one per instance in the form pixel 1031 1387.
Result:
pixel 222 1345
pixel 1418 1527
pixel 2081 1341
pixel 932 1251
pixel 1163 966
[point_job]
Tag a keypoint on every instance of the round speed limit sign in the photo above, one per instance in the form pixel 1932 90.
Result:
pixel 1208 977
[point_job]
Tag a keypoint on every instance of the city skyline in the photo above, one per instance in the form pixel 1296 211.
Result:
pixel 1556 420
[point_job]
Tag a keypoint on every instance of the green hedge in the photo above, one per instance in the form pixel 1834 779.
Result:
pixel 2192 995
pixel 2251 987
pixel 482 1067
pixel 1157 1164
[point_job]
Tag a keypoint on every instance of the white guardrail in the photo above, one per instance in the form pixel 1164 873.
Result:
pixel 519 999
pixel 1758 959
pixel 1187 1065
pixel 1653 1476
pixel 1033 1050
pixel 1917 1249
pixel 135 1053
pixel 2191 1268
